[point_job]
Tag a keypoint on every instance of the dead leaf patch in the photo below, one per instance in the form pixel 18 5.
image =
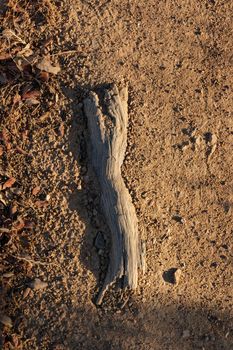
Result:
pixel 19 225
pixel 4 135
pixel 44 76
pixel 46 65
pixel 9 72
pixel 6 321
pixel 5 56
pixel 29 225
pixel 9 183
pixel 6 139
pixel 62 130
pixel 36 190
pixel 45 116
pixel 11 35
pixel 17 98
pixel 13 209
pixel 26 51
pixel 41 204
pixel 30 97
pixel 30 94
pixel 20 150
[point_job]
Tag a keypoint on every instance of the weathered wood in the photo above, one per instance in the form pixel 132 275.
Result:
pixel 107 123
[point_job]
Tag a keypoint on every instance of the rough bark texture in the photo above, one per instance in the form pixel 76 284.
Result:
pixel 107 123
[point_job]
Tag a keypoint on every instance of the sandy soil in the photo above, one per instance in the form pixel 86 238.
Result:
pixel 176 57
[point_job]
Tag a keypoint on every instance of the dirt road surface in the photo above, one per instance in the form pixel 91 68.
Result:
pixel 176 57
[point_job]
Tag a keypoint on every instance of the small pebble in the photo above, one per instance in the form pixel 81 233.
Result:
pixel 178 219
pixel 186 334
pixel 38 284
pixel 172 275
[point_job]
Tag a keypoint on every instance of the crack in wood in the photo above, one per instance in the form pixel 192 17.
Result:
pixel 107 124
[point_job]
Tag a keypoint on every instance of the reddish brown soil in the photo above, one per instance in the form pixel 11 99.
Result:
pixel 176 57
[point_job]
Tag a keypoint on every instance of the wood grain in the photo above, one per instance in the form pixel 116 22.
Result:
pixel 107 123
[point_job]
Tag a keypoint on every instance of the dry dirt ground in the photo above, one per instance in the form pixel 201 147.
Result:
pixel 176 57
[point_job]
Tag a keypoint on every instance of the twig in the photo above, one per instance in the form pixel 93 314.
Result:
pixel 32 261
pixel 107 123
pixel 6 230
pixel 64 53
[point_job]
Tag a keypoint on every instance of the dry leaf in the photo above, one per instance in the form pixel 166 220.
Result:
pixel 32 101
pixel 1 151
pixel 4 135
pixel 30 97
pixel 13 209
pixel 17 98
pixel 15 341
pixel 41 204
pixel 11 35
pixel 26 293
pixel 29 224
pixel 44 76
pixel 16 7
pixel 26 51
pixel 31 94
pixel 22 63
pixel 5 230
pixel 14 51
pixel 9 72
pixel 8 274
pixel 62 130
pixel 5 56
pixel 20 150
pixel 45 65
pixel 45 116
pixel 25 135
pixel 9 183
pixel 19 225
pixel 8 146
pixel 3 199
pixel 6 320
pixel 36 190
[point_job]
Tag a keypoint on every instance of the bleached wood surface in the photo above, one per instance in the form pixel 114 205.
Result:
pixel 107 124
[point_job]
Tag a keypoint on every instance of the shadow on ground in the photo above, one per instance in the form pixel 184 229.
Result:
pixel 145 327
pixel 85 200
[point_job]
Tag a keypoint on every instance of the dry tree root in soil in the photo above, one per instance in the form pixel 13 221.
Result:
pixel 107 123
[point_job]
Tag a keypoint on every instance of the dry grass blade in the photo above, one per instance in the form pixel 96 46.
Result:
pixel 31 261
pixel 9 34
